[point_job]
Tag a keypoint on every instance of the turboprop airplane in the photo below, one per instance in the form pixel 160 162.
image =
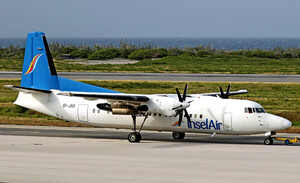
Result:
pixel 44 91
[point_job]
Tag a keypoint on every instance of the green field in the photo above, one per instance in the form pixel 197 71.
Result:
pixel 230 64
pixel 279 99
pixel 198 59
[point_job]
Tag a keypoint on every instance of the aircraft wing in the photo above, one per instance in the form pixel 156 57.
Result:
pixel 239 92
pixel 230 93
pixel 137 97
pixel 108 96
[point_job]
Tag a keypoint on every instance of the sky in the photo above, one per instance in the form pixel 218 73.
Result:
pixel 151 18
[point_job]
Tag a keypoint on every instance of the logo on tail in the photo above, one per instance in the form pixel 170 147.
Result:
pixel 33 63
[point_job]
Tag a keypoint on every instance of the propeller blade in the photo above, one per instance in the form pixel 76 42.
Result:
pixel 185 91
pixel 222 93
pixel 180 118
pixel 179 96
pixel 228 91
pixel 183 105
pixel 187 115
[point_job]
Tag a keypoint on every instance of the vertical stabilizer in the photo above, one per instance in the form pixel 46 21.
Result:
pixel 38 67
pixel 39 70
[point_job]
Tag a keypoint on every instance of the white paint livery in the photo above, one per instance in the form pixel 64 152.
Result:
pixel 227 115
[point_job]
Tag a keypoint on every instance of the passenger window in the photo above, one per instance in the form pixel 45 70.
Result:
pixel 98 110
pixel 191 115
pixel 200 116
pixel 149 114
pixel 159 114
pixel 94 110
pixel 246 110
pixel 154 114
pixel 195 116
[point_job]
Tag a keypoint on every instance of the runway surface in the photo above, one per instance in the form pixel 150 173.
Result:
pixel 57 154
pixel 168 76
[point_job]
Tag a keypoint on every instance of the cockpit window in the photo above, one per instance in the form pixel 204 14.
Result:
pixel 254 110
pixel 250 110
pixel 260 110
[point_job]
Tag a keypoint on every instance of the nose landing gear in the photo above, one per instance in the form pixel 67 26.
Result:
pixel 268 141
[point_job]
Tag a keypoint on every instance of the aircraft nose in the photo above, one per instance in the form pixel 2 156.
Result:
pixel 286 123
pixel 277 122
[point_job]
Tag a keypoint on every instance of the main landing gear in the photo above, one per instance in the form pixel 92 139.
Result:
pixel 136 136
pixel 178 135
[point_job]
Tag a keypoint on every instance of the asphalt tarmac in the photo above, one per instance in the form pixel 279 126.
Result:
pixel 168 77
pixel 59 154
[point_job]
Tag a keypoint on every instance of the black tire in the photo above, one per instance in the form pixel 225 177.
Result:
pixel 178 135
pixel 134 137
pixel 268 141
pixel 287 142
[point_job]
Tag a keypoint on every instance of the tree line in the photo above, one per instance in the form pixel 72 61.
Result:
pixel 146 51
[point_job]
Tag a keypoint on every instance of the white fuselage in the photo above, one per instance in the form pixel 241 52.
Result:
pixel 208 114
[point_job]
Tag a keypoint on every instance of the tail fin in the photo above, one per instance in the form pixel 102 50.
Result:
pixel 38 68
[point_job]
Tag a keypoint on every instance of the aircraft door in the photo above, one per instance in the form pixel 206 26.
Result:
pixel 83 112
pixel 227 121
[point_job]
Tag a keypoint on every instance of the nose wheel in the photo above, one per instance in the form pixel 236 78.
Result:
pixel 268 141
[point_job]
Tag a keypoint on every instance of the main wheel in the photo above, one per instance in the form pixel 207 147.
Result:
pixel 178 135
pixel 287 142
pixel 134 137
pixel 268 141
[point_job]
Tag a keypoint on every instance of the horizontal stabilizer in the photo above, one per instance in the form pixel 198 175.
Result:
pixel 27 90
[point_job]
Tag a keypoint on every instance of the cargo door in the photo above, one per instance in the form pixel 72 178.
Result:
pixel 83 112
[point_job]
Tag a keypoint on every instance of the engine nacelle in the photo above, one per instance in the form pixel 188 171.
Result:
pixel 121 108
pixel 163 105
pixel 124 111
pixel 158 104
